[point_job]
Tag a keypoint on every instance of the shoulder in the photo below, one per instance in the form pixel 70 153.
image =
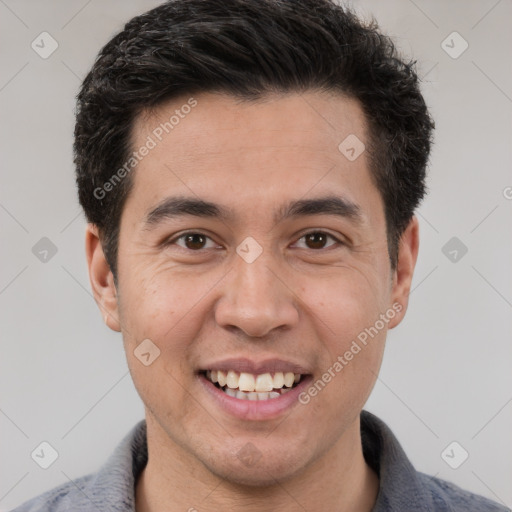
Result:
pixel 110 488
pixel 68 496
pixel 402 487
pixel 447 496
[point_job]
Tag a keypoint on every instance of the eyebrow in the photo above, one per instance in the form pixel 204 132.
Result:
pixel 330 205
pixel 173 207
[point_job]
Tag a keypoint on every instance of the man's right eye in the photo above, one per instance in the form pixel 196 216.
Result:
pixel 193 241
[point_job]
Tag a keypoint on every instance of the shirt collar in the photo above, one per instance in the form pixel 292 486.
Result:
pixel 400 487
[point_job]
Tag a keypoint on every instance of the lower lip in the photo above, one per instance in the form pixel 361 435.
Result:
pixel 255 409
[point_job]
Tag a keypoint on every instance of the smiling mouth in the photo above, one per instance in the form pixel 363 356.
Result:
pixel 248 386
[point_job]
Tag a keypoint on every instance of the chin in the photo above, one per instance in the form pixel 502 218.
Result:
pixel 256 472
pixel 256 478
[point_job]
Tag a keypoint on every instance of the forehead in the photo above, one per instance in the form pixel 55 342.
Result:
pixel 286 119
pixel 212 145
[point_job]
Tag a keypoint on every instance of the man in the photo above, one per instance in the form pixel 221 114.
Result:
pixel 250 170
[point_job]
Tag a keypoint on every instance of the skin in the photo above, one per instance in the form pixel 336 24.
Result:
pixel 300 300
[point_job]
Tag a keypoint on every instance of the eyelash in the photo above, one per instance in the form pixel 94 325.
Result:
pixel 183 235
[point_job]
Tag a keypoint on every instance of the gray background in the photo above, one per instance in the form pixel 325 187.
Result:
pixel 446 373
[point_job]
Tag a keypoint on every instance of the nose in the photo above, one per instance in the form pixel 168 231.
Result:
pixel 257 299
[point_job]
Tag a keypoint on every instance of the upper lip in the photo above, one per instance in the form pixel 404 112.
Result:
pixel 243 364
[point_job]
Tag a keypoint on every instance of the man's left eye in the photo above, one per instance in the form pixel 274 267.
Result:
pixel 318 239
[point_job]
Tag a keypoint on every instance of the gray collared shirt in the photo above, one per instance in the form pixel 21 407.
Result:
pixel 401 488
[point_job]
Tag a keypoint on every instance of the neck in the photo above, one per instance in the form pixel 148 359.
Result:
pixel 174 480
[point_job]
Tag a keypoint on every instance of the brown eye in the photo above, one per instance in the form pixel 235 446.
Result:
pixel 194 241
pixel 318 240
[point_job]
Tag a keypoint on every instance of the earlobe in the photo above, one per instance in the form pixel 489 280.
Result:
pixel 101 278
pixel 407 256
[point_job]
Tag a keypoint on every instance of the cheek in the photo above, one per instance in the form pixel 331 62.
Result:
pixel 344 304
pixel 346 310
pixel 169 308
pixel 150 323
pixel 164 308
pixel 155 300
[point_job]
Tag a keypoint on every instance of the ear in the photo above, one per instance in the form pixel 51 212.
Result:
pixel 402 277
pixel 101 278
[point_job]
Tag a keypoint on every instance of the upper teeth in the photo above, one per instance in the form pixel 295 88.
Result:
pixel 249 382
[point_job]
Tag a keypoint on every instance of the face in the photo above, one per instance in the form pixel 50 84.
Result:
pixel 251 244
